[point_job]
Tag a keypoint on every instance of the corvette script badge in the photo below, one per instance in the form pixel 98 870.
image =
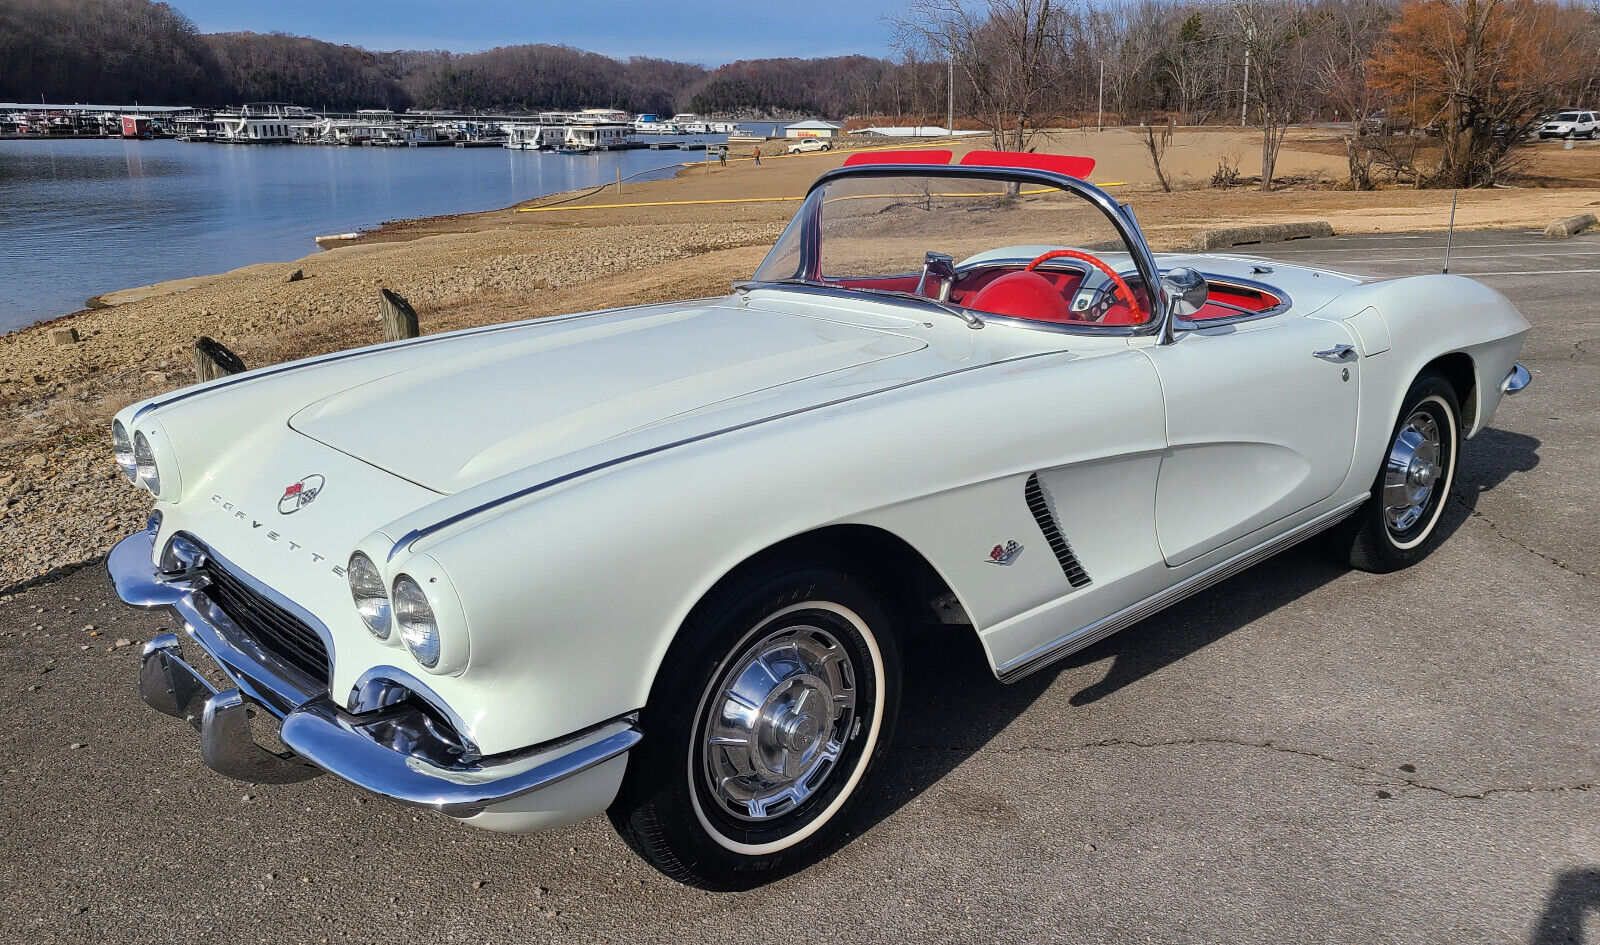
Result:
pixel 1005 554
pixel 300 495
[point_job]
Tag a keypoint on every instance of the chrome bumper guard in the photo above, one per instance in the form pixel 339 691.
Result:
pixel 393 751
pixel 1516 379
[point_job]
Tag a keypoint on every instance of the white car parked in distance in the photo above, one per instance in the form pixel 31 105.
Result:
pixel 660 562
pixel 1569 124
pixel 807 145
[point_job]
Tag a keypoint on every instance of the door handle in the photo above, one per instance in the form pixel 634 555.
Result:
pixel 1337 352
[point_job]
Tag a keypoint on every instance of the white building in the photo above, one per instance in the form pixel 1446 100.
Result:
pixel 812 129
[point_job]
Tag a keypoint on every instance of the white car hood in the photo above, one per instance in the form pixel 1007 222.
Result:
pixel 471 414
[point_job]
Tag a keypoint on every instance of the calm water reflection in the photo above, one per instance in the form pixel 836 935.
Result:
pixel 78 218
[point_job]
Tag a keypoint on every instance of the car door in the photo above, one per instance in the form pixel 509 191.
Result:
pixel 1261 424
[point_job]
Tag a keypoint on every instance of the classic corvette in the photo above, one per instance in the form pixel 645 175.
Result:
pixel 661 561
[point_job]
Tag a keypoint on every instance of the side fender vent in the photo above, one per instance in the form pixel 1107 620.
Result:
pixel 1039 504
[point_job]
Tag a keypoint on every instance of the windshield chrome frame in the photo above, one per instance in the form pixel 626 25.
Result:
pixel 1121 217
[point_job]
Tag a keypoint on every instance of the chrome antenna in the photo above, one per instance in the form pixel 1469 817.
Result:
pixel 1449 235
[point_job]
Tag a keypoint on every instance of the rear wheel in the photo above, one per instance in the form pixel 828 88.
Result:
pixel 762 728
pixel 1398 525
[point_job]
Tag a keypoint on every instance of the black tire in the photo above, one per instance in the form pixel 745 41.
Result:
pixel 1381 540
pixel 668 810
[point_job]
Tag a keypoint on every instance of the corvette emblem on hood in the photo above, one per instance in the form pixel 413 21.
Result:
pixel 300 495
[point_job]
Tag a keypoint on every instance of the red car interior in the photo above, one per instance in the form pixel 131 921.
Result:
pixel 1029 292
pixel 1045 295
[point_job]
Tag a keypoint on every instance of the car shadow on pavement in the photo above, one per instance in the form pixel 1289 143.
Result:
pixel 952 705
pixel 1575 896
pixel 1487 460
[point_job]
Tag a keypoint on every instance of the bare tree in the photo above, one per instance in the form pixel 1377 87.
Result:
pixel 1271 33
pixel 1343 37
pixel 1156 146
pixel 1007 51
pixel 1193 65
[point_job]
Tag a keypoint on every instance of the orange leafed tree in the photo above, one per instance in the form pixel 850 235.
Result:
pixel 1481 71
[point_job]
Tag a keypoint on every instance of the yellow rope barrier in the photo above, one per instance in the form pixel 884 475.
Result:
pixel 658 203
pixel 691 203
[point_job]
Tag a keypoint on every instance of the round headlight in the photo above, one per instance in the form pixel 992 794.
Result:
pixel 144 463
pixel 122 445
pixel 371 597
pixel 418 626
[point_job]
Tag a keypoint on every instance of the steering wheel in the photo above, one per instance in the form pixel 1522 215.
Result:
pixel 1119 288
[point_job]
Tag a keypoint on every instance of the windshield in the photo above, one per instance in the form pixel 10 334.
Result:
pixel 990 245
pixel 1568 116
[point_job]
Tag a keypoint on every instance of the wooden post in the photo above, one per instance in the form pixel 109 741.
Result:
pixel 399 318
pixel 212 360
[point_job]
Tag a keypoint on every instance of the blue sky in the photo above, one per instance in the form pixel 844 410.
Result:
pixel 706 31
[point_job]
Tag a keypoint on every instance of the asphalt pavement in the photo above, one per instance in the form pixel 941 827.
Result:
pixel 1302 753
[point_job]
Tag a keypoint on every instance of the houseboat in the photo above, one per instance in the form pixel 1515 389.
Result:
pixel 602 116
pixel 597 137
pixel 691 124
pixel 262 123
pixel 528 137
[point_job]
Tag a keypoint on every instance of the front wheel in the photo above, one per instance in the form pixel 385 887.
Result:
pixel 765 720
pixel 1398 525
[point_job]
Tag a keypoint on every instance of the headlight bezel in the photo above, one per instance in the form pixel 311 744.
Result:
pixel 146 469
pixel 417 620
pixel 378 613
pixel 122 449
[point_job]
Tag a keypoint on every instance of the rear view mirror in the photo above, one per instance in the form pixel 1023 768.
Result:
pixel 1186 292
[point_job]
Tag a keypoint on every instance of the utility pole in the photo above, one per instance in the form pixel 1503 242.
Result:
pixel 1100 116
pixel 950 92
pixel 1244 95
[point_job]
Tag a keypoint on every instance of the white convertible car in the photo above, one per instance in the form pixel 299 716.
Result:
pixel 661 561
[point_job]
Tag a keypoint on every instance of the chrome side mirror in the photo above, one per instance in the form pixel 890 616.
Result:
pixel 940 266
pixel 1186 291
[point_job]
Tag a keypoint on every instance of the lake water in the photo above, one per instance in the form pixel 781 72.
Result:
pixel 80 218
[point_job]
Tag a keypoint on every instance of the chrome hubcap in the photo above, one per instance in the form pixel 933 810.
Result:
pixel 778 721
pixel 1412 471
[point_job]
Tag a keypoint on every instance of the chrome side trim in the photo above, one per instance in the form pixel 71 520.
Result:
pixel 1516 379
pixel 417 534
pixel 1084 636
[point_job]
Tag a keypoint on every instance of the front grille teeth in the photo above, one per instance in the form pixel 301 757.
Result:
pixel 270 626
pixel 1039 504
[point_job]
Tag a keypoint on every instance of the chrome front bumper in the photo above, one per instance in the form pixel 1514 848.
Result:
pixel 1516 379
pixel 264 725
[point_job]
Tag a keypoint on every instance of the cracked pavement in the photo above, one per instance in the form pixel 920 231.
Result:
pixel 1302 752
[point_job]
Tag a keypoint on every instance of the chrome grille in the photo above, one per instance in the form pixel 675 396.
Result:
pixel 272 628
pixel 1039 505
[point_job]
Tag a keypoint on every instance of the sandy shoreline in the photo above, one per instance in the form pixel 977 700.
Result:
pixel 62 500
